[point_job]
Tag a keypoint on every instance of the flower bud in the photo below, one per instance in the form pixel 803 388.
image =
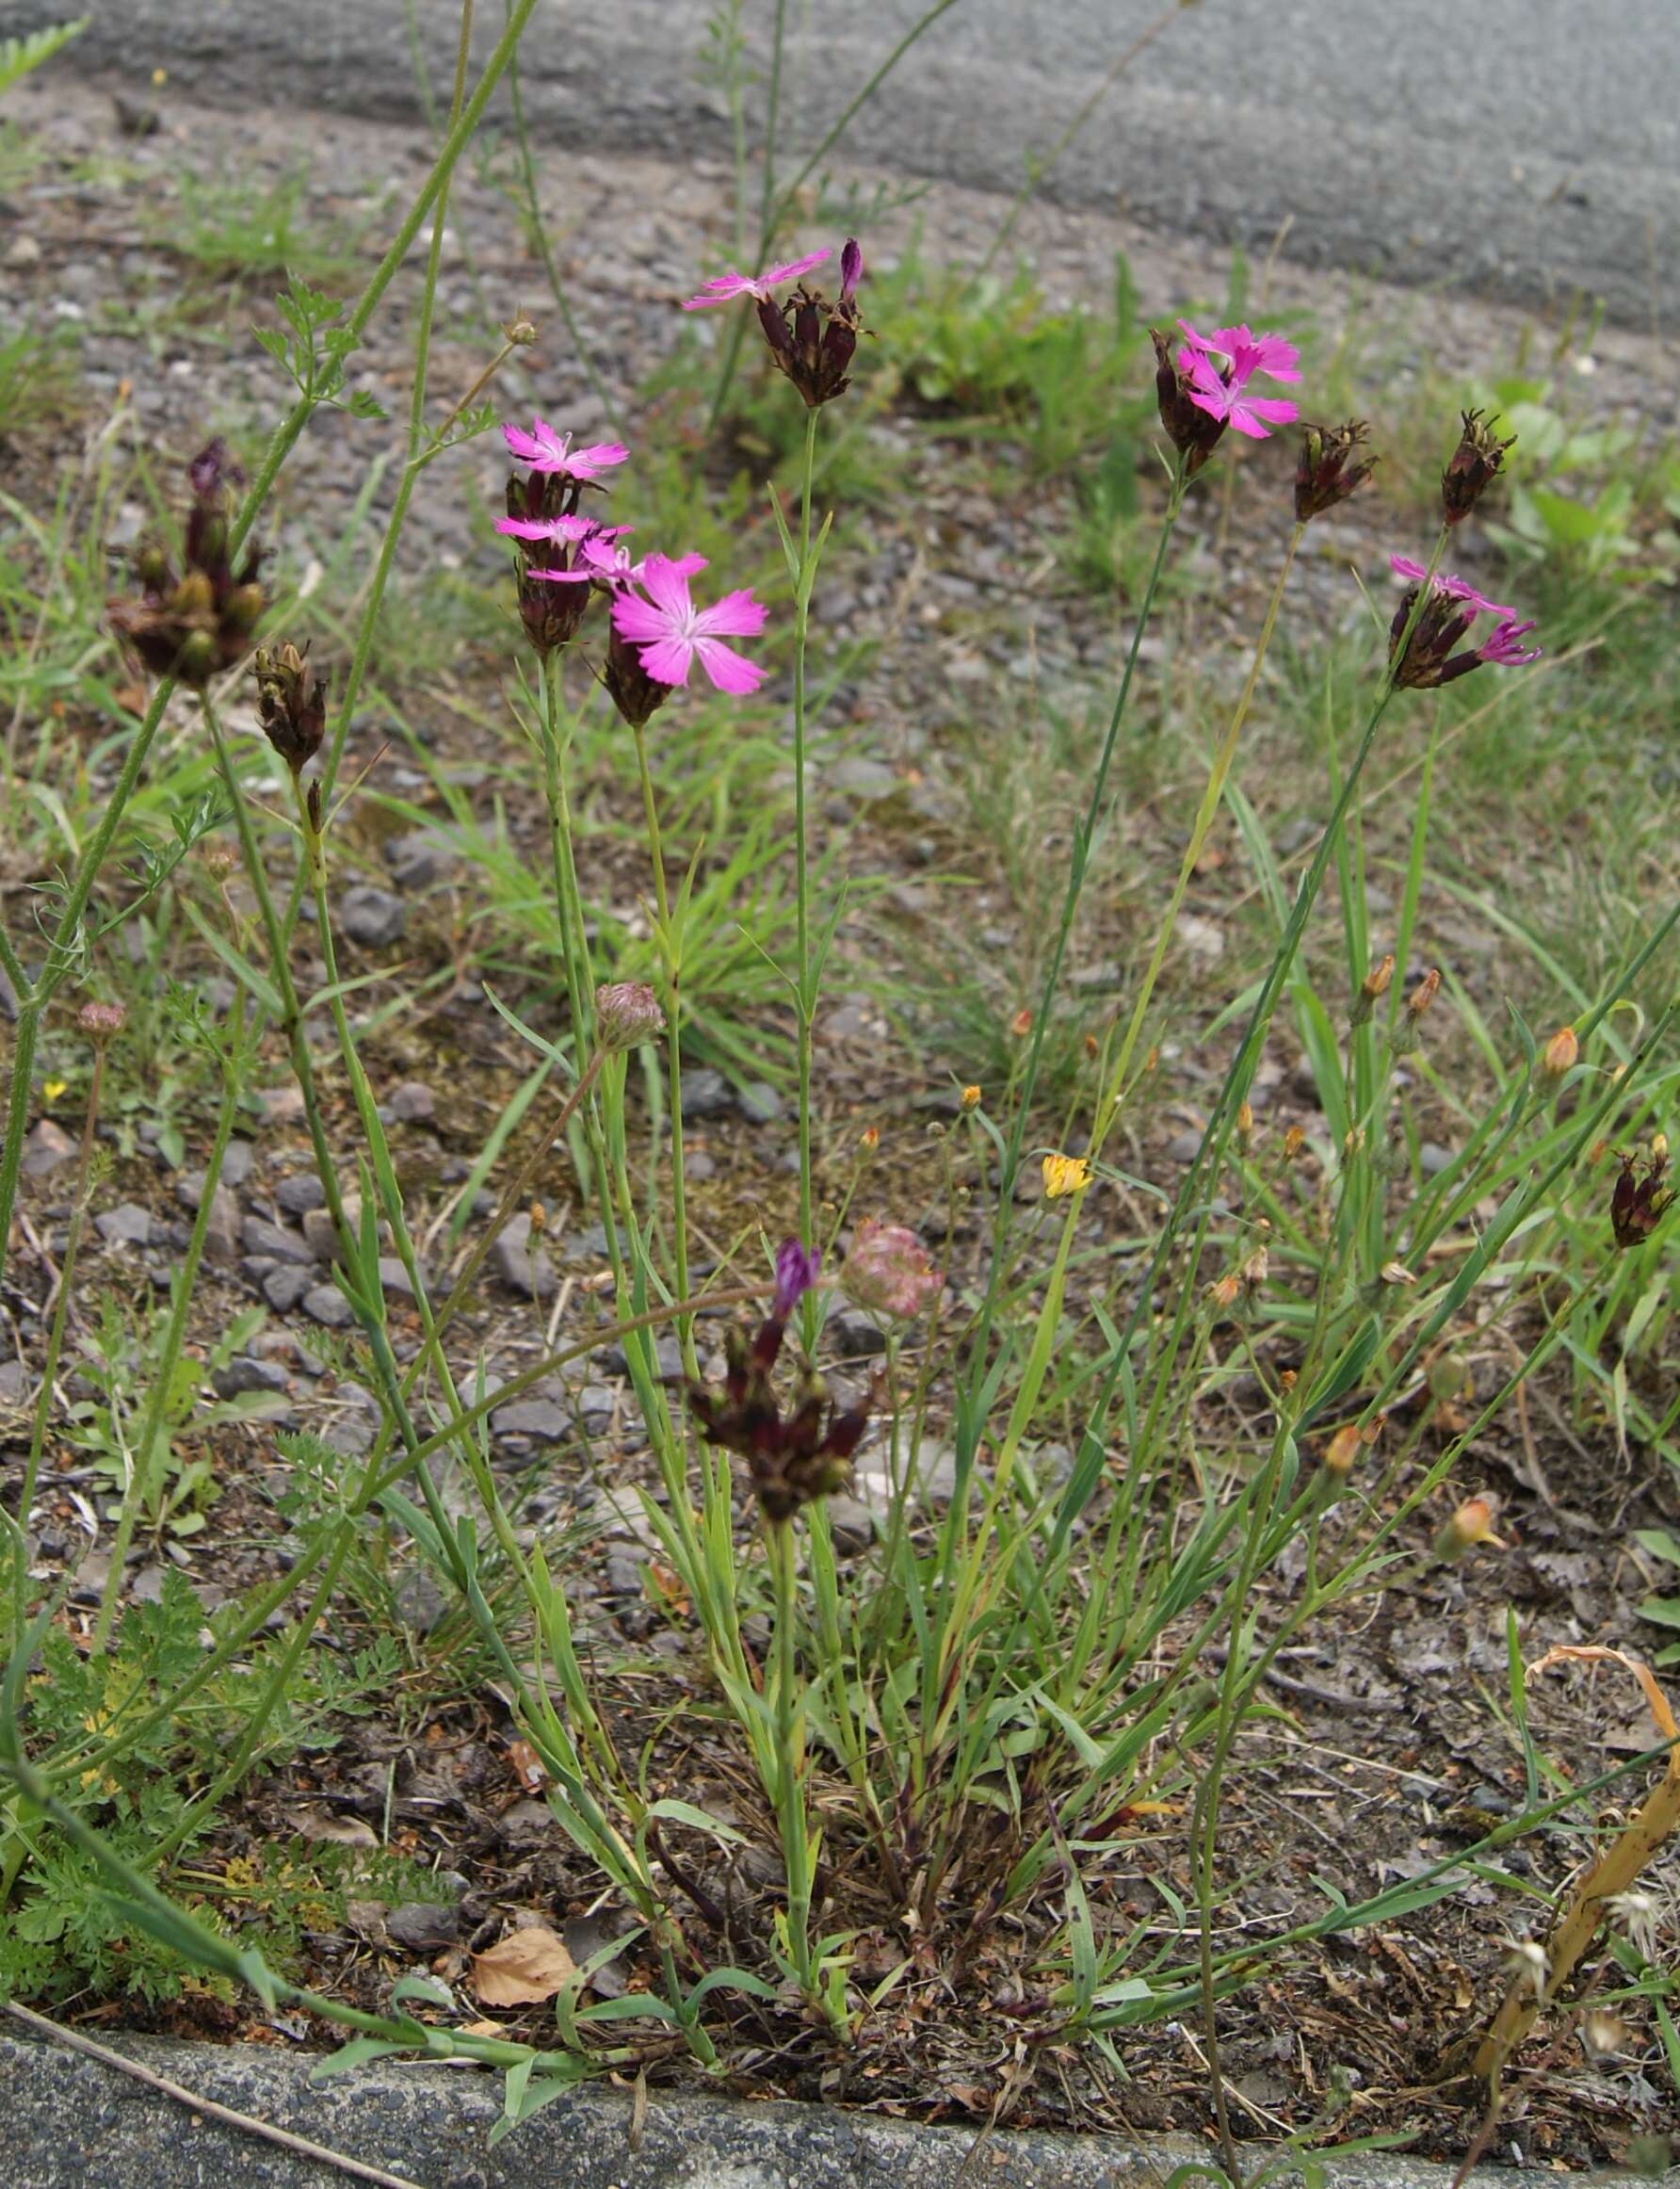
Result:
pixel 1472 465
pixel 627 1013
pixel 1193 431
pixel 869 1140
pixel 1471 1524
pixel 1560 1052
pixel 291 703
pixel 101 1022
pixel 1244 1127
pixel 1021 1025
pixel 1424 994
pixel 1323 475
pixel 1375 985
pixel 1342 1451
pixel 971 1099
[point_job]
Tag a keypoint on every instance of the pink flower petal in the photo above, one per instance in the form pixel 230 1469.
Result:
pixel 549 527
pixel 728 669
pixel 723 288
pixel 1247 410
pixel 737 615
pixel 638 619
pixel 668 588
pixel 667 660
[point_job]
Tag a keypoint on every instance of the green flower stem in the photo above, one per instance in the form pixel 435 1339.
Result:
pixel 60 952
pixel 146 1471
pixel 367 1314
pixel 789 1746
pixel 970 1383
pixel 1108 1108
pixel 673 1021
pixel 1192 1193
pixel 49 1373
pixel 777 207
pixel 538 232
pixel 807 1001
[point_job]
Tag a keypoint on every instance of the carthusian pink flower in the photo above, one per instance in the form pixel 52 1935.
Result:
pixel 1246 352
pixel 670 634
pixel 797 1269
pixel 1218 368
pixel 887 1271
pixel 544 450
pixel 1430 657
pixel 723 288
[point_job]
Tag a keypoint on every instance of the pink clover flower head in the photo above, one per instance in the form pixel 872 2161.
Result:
pixel 725 287
pixel 887 1271
pixel 671 634
pixel 1504 646
pixel 544 450
pixel 797 1269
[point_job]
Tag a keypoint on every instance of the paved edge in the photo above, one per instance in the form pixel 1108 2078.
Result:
pixel 66 2120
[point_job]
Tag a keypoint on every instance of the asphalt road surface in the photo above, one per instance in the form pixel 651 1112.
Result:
pixel 1528 148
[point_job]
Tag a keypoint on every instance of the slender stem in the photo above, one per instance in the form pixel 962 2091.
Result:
pixel 968 1420
pixel 807 1001
pixel 152 1450
pixel 772 118
pixel 49 1373
pixel 1038 172
pixel 1108 1109
pixel 790 1793
pixel 673 1034
pixel 282 440
pixel 527 167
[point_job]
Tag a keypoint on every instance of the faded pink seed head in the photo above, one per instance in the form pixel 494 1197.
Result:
pixel 99 1022
pixel 887 1271
pixel 627 1013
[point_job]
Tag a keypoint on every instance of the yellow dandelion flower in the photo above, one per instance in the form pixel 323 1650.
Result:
pixel 1065 1175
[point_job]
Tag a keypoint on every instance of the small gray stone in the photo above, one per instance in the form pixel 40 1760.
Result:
pixel 422 1926
pixel 412 1103
pixel 46 1147
pixel 623 1573
pixel 596 1405
pixel 301 1193
pixel 1433 1159
pixel 520 1270
pixel 1183 1146
pixel 538 1418
pixel 237 1163
pixel 283 1287
pixel 221 1229
pixel 417 860
pixel 855 1337
pixel 858 776
pixel 275 1240
pixel 759 1102
pixel 668 1356
pixel 327 1305
pixel 707 1094
pixel 372 917
pixel 851 1521
pixel 127 1225
pixel 146 1585
pixel 245 1374
pixel 394 1277
pixel 420 1603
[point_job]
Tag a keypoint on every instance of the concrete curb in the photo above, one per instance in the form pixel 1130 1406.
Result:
pixel 67 2121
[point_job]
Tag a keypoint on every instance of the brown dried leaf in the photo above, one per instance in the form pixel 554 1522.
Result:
pixel 313 1822
pixel 526 1967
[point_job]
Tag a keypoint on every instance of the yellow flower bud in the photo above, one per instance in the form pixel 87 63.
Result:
pixel 1560 1052
pixel 1472 1523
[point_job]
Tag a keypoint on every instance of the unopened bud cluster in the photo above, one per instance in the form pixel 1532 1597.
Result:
pixel 291 703
pixel 627 1013
pixel 195 616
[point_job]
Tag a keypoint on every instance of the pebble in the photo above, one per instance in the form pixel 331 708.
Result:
pixel 420 1603
pixel 127 1225
pixel 246 1373
pixel 707 1094
pixel 521 1271
pixel 277 1240
pixel 283 1287
pixel 423 1926
pixel 417 860
pixel 301 1193
pixel 759 1102
pixel 854 1336
pixel 538 1418
pixel 46 1147
pixel 414 1102
pixel 221 1230
pixel 327 1305
pixel 372 917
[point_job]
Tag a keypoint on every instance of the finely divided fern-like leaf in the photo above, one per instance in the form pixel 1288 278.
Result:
pixel 20 55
